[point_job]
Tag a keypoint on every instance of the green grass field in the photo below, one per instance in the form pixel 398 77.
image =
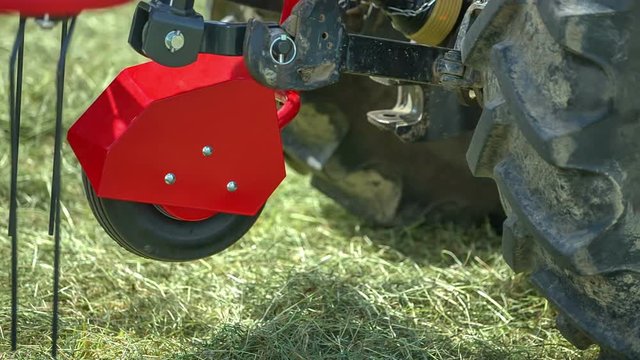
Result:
pixel 308 282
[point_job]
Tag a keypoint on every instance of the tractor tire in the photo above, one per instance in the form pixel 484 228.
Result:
pixel 559 135
pixel 371 172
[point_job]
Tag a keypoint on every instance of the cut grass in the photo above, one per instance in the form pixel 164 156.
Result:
pixel 308 282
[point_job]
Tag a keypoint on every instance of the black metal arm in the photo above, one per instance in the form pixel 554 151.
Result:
pixel 309 51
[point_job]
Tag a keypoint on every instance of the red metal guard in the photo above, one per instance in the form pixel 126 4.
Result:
pixel 55 8
pixel 153 121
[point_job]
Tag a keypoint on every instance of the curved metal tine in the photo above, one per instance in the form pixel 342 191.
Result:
pixel 15 109
pixel 68 27
pixel 67 31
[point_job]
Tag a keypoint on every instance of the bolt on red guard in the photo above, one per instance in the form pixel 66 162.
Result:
pixel 153 121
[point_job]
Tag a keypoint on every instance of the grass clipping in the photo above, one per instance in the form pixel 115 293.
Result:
pixel 308 282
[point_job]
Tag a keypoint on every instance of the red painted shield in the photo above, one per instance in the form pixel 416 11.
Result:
pixel 153 121
pixel 54 7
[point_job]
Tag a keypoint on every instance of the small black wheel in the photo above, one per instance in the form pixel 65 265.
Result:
pixel 148 231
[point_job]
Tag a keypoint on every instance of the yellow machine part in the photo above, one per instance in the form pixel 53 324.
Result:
pixel 440 23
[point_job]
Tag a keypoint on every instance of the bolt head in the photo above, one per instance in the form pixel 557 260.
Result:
pixel 170 179
pixel 232 186
pixel 207 151
pixel 45 22
pixel 174 41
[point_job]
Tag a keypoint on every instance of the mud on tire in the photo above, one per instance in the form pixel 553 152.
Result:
pixel 560 135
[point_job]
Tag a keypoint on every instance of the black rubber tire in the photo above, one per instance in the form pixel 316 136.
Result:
pixel 144 230
pixel 560 136
pixel 370 172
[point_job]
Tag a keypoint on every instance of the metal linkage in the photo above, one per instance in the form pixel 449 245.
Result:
pixel 16 63
pixel 309 51
pixel 324 50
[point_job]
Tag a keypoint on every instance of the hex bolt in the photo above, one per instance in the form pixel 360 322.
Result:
pixel 174 40
pixel 207 151
pixel 232 186
pixel 170 179
pixel 45 22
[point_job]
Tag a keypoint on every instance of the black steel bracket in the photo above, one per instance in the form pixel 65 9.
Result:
pixel 175 36
pixel 309 51
pixel 323 50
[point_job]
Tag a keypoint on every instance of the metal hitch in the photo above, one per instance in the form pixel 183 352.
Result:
pixel 309 50
pixel 323 50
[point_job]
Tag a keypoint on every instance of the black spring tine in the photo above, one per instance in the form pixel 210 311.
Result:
pixel 15 109
pixel 67 33
pixel 55 177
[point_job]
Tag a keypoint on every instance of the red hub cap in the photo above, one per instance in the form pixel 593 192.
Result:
pixel 187 214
